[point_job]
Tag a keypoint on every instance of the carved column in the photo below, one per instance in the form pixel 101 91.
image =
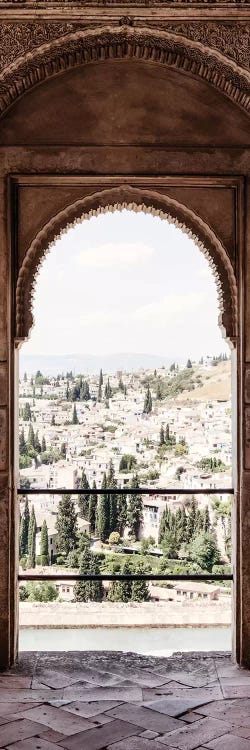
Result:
pixel 242 526
pixel 8 593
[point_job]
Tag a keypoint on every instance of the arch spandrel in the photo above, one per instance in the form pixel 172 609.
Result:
pixel 162 47
pixel 133 199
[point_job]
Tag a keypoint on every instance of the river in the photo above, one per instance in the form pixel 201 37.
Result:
pixel 153 641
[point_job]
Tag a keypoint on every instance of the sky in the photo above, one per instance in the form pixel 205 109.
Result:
pixel 125 282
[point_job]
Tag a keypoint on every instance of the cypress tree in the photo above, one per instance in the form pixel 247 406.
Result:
pixel 74 415
pixel 96 587
pixel 24 530
pixel 191 520
pixel 112 499
pixel 206 523
pixel 122 513
pixel 101 378
pixel 53 420
pixel 22 444
pixel 135 509
pixel 140 590
pixel 92 510
pixel 167 438
pixel 32 539
pixel 31 437
pixel 108 390
pixel 66 525
pixel 103 512
pixel 44 544
pixel 162 436
pixel 147 408
pixel 83 500
pixel 82 588
pixel 27 412
pixel 43 445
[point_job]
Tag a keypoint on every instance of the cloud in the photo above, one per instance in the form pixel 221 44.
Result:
pixel 113 254
pixel 170 306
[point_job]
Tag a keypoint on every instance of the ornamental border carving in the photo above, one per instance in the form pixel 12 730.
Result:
pixel 135 199
pixel 161 47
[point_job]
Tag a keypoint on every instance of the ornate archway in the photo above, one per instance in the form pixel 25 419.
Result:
pixel 159 47
pixel 134 199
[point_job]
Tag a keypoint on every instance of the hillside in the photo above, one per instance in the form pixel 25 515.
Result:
pixel 215 384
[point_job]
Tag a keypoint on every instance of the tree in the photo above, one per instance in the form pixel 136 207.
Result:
pixel 22 443
pixel 44 544
pixel 189 364
pixel 120 591
pixel 108 390
pixel 140 590
pixel 83 500
pixel 42 592
pixel 66 525
pixel 25 377
pixel 74 416
pixel 53 420
pixel 169 544
pixel 147 408
pixel 31 437
pixel 204 550
pixel 102 525
pixel 63 450
pixel 99 395
pixel 27 416
pixel 122 513
pixel 159 394
pixel 206 521
pixel 162 436
pixel 82 588
pixel 191 519
pixel 135 509
pixel 43 445
pixel 96 587
pixel 32 539
pixel 24 530
pixel 112 501
pixel 92 510
pixel 127 462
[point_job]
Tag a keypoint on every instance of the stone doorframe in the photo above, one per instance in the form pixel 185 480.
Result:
pixel 193 204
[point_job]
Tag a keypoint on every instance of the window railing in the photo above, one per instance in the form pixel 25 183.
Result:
pixel 121 576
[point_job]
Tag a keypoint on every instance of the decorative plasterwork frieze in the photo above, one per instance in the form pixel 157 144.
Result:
pixel 231 39
pixel 135 199
pixel 84 47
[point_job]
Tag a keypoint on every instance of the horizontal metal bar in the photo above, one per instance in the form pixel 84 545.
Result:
pixel 121 577
pixel 127 491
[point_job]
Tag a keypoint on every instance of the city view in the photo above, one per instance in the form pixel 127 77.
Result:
pixel 102 419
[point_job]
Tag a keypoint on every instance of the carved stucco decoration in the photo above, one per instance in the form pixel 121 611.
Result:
pixel 232 39
pixel 137 200
pixel 125 42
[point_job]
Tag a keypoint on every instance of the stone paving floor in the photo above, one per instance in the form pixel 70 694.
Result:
pixel 116 701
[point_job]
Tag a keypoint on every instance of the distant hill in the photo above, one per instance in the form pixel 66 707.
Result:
pixel 91 363
pixel 215 384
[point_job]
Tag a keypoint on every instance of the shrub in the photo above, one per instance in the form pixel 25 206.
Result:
pixel 23 563
pixel 60 560
pixel 23 593
pixel 114 537
pixel 73 559
pixel 42 592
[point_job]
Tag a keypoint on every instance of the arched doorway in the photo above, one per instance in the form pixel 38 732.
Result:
pixel 51 158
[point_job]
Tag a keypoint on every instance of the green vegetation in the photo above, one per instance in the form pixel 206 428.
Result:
pixel 66 525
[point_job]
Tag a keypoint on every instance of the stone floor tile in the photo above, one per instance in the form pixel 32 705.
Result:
pixel 241 677
pixel 50 735
pixel 173 706
pixel 39 696
pixel 57 719
pixel 7 709
pixel 103 693
pixel 191 716
pixel 145 717
pixel 231 711
pixel 18 730
pixel 229 742
pixel 90 709
pixel 199 733
pixel 204 693
pixel 33 744
pixel 100 737
pixel 142 677
pixel 237 691
pixel 55 679
pixel 14 682
pixel 149 734
pixel 137 743
pixel 216 707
